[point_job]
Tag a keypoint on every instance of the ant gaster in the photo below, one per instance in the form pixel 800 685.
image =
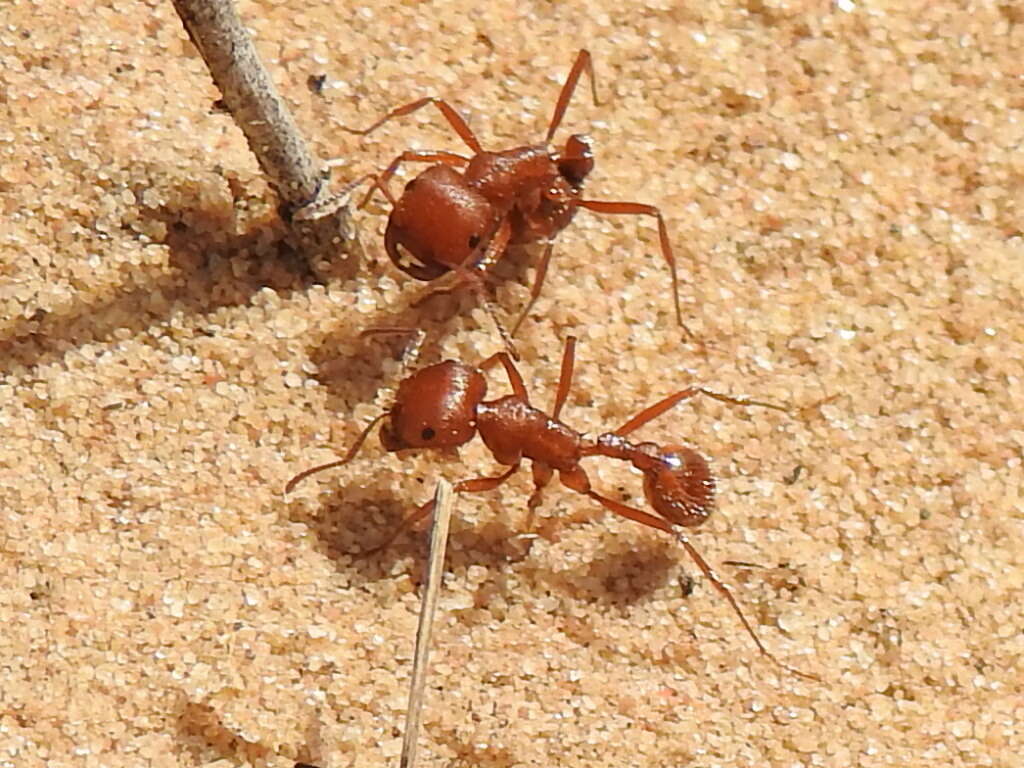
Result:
pixel 462 213
pixel 442 407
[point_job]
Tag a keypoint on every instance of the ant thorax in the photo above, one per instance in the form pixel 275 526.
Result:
pixel 506 177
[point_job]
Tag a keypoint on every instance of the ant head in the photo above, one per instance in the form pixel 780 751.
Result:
pixel 435 408
pixel 680 486
pixel 576 161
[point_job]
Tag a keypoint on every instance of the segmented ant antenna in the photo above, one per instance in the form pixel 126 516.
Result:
pixel 339 462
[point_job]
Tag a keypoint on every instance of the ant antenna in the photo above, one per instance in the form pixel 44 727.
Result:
pixel 332 464
pixel 683 539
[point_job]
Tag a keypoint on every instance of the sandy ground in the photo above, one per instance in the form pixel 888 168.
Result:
pixel 842 184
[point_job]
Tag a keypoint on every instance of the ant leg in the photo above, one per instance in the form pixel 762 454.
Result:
pixel 472 485
pixel 495 248
pixel 542 474
pixel 477 279
pixel 564 377
pixel 642 209
pixel 477 275
pixel 538 281
pixel 578 481
pixel 727 594
pixel 421 512
pixel 652 412
pixel 478 283
pixel 583 60
pixel 454 119
pixel 411 352
pixel 515 380
pixel 656 522
pixel 506 339
pixel 409 156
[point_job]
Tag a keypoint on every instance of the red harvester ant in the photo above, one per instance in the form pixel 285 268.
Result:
pixel 442 407
pixel 463 221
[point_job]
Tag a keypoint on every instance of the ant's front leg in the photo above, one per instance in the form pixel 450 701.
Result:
pixel 473 485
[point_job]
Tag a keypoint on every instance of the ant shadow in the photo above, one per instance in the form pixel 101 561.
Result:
pixel 202 731
pixel 620 576
pixel 349 366
pixel 348 536
pixel 471 755
pixel 345 526
pixel 211 266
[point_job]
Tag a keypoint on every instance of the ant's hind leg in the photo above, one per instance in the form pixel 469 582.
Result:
pixel 577 480
pixel 725 592
pixel 454 119
pixel 409 156
pixel 653 411
pixel 662 525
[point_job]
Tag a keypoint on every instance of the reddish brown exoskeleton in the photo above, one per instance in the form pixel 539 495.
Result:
pixel 443 406
pixel 462 213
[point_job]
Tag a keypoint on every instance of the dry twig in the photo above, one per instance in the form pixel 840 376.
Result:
pixel 296 175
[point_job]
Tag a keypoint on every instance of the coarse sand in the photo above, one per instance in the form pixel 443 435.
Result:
pixel 842 183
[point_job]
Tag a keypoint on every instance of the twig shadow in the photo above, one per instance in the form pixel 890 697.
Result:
pixel 211 266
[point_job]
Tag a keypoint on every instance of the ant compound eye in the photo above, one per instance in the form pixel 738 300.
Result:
pixel 474 241
pixel 428 434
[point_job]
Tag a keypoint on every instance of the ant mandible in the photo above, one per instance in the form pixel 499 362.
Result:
pixel 442 407
pixel 447 220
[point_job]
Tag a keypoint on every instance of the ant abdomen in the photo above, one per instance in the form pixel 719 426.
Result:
pixel 679 485
pixel 441 222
